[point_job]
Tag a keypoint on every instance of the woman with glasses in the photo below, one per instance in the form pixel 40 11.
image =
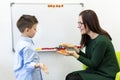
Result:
pixel 99 55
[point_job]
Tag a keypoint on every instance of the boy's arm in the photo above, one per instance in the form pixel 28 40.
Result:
pixel 29 61
pixel 28 55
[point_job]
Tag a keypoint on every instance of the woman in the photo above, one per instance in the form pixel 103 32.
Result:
pixel 99 54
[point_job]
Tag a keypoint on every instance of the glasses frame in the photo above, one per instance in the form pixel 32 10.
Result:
pixel 80 23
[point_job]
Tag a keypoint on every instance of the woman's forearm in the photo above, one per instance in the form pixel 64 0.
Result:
pixel 76 55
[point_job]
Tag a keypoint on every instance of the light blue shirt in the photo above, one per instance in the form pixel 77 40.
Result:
pixel 25 59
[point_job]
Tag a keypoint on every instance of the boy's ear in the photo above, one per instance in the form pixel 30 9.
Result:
pixel 27 29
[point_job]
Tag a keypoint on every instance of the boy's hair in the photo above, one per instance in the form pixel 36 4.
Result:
pixel 26 21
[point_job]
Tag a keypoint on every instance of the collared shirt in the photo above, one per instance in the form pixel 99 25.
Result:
pixel 25 59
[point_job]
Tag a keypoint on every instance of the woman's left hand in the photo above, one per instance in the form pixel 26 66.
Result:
pixel 72 53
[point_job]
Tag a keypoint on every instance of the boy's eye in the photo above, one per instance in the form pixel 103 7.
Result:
pixel 35 29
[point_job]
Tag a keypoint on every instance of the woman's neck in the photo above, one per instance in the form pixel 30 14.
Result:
pixel 93 35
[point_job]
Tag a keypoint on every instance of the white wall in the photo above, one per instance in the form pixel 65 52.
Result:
pixel 108 12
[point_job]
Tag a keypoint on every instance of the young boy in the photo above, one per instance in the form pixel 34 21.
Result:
pixel 27 65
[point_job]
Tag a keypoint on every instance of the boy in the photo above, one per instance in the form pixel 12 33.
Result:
pixel 27 65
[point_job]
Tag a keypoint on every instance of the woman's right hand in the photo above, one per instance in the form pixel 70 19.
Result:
pixel 67 45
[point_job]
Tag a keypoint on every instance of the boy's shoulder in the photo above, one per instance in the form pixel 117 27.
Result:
pixel 23 44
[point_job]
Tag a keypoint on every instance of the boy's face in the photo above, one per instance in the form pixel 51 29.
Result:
pixel 31 32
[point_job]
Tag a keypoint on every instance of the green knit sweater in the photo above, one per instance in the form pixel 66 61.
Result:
pixel 100 58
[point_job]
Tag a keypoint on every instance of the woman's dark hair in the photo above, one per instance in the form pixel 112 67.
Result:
pixel 91 21
pixel 26 21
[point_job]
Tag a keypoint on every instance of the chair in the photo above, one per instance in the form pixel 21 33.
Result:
pixel 118 59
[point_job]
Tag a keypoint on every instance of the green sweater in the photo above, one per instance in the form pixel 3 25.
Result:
pixel 100 58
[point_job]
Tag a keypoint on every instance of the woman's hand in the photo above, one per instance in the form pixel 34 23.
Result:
pixel 70 53
pixel 67 45
pixel 73 53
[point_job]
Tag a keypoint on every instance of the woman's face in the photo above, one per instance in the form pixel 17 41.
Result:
pixel 83 29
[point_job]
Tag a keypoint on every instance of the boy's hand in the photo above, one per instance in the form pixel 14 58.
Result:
pixel 44 67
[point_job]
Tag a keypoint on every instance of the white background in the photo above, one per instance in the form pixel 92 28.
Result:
pixel 107 10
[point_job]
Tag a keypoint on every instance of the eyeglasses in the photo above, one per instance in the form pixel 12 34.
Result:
pixel 80 23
